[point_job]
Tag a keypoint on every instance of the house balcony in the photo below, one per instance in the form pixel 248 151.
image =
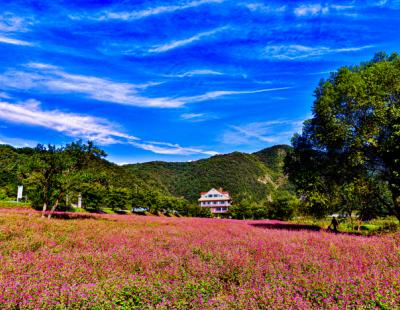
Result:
pixel 215 205
pixel 219 210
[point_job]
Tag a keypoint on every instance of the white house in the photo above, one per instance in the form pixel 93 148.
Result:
pixel 217 200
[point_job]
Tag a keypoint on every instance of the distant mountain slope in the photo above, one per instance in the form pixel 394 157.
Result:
pixel 274 156
pixel 253 175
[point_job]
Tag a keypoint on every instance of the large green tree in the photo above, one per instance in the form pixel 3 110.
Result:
pixel 354 134
pixel 51 172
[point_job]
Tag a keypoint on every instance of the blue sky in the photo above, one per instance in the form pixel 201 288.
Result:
pixel 176 80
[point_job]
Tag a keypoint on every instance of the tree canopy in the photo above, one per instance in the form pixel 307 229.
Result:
pixel 51 171
pixel 351 145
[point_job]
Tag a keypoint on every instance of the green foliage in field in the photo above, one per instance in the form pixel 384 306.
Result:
pixel 348 155
pixel 14 205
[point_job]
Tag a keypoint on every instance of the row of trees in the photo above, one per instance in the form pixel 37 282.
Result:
pixel 123 198
pixel 54 176
pixel 283 205
pixel 347 157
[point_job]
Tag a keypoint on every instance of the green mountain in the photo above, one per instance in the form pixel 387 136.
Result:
pixel 255 176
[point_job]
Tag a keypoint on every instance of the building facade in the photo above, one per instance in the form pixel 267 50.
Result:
pixel 217 201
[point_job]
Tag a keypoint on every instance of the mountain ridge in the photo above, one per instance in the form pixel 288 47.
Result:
pixel 253 176
pixel 243 174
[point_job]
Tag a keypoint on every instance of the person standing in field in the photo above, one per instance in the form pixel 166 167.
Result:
pixel 334 224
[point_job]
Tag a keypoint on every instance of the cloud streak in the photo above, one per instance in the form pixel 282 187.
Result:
pixel 170 149
pixel 73 125
pixel 134 15
pixel 195 73
pixel 276 131
pixel 306 10
pixel 181 43
pixel 49 78
pixel 12 23
pixel 265 9
pixel 294 51
pixel 44 77
pixel 30 113
pixel 190 116
pixel 198 117
pixel 220 93
pixel 8 40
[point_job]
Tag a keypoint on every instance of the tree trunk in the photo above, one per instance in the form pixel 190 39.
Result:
pixel 55 205
pixel 396 205
pixel 350 214
pixel 44 209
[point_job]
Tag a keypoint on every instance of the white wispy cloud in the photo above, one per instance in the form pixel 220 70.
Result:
pixel 132 15
pixel 314 9
pixel 12 23
pixel 170 149
pixel 276 131
pixel 180 43
pixel 188 116
pixel 8 40
pixel 221 93
pixel 194 73
pixel 49 78
pixel 198 117
pixel 46 77
pixel 30 113
pixel 341 7
pixel 4 95
pixel 295 51
pixel 264 8
pixel 10 26
pixel 391 4
pixel 311 9
pixel 70 124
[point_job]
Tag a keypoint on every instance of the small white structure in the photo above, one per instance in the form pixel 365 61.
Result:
pixel 80 200
pixel 19 193
pixel 217 200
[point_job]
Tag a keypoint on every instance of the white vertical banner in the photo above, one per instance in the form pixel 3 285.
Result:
pixel 19 193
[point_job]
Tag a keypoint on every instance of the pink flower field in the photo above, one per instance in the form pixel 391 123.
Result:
pixel 111 262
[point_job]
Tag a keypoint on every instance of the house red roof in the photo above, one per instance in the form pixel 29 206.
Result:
pixel 220 191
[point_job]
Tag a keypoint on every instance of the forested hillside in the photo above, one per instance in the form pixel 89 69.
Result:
pixel 251 178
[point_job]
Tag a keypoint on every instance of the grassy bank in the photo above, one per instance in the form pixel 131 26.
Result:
pixel 388 224
pixel 14 205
